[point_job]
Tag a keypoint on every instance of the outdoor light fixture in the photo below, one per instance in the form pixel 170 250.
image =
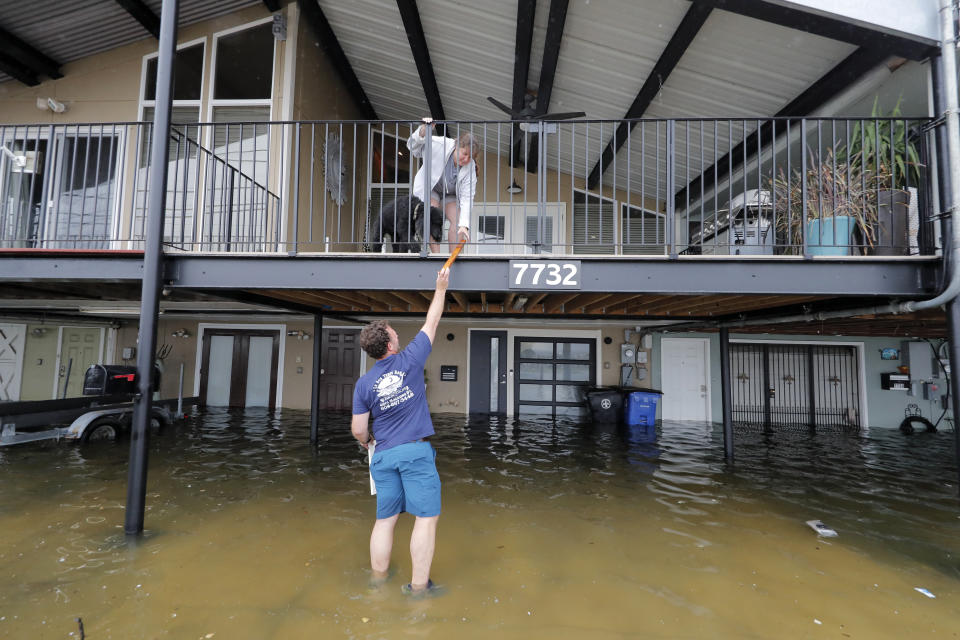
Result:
pixel 514 187
pixel 111 311
pixel 181 333
pixel 49 104
pixel 299 334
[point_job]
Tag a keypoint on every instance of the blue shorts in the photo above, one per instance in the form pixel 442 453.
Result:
pixel 407 480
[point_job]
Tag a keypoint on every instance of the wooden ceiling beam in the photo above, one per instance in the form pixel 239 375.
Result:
pixel 557 301
pixel 461 300
pixel 415 301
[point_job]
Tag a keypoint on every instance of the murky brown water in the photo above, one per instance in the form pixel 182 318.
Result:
pixel 548 531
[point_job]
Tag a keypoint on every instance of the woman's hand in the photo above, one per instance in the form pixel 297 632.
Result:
pixel 423 128
pixel 463 233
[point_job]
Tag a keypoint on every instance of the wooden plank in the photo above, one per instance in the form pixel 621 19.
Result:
pixel 557 300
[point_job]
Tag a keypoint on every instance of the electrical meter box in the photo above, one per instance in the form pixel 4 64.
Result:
pixel 919 357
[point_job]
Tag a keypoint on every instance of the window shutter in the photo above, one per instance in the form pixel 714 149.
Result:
pixel 593 224
pixel 644 232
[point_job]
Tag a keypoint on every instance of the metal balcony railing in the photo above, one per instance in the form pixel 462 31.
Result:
pixel 669 187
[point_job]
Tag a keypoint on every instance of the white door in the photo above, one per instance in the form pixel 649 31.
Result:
pixel 685 367
pixel 12 338
pixel 79 348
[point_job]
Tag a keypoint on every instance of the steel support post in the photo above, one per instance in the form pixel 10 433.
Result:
pixel 152 266
pixel 726 394
pixel 317 372
pixel 953 317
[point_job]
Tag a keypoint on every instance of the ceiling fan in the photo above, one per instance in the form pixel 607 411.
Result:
pixel 528 112
pixel 527 119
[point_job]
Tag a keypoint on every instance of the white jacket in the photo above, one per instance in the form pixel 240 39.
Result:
pixel 442 149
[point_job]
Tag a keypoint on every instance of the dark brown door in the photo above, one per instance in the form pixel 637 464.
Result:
pixel 239 368
pixel 340 368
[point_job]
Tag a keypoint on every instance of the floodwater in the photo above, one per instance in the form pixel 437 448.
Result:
pixel 548 531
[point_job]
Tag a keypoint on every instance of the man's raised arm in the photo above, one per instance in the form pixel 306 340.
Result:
pixel 436 305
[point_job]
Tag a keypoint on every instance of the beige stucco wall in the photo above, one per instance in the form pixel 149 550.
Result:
pixel 297 373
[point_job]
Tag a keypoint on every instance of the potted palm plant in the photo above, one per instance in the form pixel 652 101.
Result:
pixel 886 149
pixel 830 205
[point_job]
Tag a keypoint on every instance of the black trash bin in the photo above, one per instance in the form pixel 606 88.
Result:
pixel 606 404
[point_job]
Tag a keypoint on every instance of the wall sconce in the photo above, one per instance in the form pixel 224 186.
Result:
pixel 299 334
pixel 514 187
pixel 49 104
pixel 39 331
pixel 181 333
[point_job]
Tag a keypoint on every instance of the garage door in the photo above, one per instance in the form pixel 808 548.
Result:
pixel 552 375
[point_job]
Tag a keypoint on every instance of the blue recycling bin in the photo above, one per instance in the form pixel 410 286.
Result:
pixel 642 407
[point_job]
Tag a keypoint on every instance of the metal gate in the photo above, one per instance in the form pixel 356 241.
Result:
pixel 795 385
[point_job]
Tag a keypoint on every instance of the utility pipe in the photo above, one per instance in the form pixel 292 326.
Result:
pixel 948 58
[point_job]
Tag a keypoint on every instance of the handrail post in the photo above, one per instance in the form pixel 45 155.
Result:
pixel 803 187
pixel 295 228
pixel 671 177
pixel 427 187
pixel 230 177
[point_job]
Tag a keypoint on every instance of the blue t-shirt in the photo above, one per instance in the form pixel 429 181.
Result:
pixel 394 393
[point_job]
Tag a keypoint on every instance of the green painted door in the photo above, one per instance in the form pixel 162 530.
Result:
pixel 79 348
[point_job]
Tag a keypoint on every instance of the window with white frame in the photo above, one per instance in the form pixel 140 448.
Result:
pixel 187 87
pixel 241 97
pixel 184 143
pixel 512 227
pixel 238 193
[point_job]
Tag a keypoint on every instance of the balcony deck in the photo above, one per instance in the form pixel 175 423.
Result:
pixel 686 218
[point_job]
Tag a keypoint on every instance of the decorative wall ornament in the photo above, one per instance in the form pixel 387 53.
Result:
pixel 335 168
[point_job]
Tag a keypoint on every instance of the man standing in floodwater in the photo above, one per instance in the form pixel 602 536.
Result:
pixel 403 465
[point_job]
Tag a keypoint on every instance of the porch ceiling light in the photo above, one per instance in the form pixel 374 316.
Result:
pixel 123 311
pixel 514 187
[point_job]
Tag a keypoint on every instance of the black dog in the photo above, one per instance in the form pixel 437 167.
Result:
pixel 405 230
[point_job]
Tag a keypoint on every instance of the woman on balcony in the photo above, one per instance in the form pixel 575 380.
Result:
pixel 453 177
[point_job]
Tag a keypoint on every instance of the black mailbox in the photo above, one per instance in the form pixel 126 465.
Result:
pixel 110 379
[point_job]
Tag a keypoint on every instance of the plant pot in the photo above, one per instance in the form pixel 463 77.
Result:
pixel 890 231
pixel 830 236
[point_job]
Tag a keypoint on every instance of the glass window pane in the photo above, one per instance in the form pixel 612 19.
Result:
pixel 391 160
pixel 536 350
pixel 85 189
pixel 539 392
pixel 535 409
pixel 570 393
pixel 187 75
pixel 574 372
pixel 536 371
pixel 572 412
pixel 245 65
pixel 573 351
pixel 259 367
pixel 218 371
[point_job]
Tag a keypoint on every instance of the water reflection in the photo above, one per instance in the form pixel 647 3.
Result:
pixel 550 527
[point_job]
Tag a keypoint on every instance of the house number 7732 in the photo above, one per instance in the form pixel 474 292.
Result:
pixel 544 274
